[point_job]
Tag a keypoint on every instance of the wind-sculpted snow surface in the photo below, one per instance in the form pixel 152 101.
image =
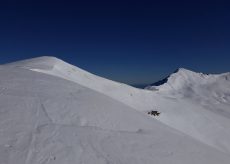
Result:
pixel 198 105
pixel 52 112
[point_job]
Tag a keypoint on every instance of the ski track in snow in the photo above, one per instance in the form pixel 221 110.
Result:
pixel 53 112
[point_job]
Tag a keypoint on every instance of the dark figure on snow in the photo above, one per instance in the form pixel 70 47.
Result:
pixel 154 113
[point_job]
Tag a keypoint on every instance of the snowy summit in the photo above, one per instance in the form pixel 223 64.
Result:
pixel 52 112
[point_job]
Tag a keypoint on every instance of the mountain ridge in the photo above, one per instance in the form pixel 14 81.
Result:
pixel 185 76
pixel 52 61
pixel 52 120
pixel 194 104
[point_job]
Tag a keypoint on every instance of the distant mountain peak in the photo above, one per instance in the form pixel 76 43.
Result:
pixel 46 58
pixel 181 69
pixel 183 77
pixel 176 72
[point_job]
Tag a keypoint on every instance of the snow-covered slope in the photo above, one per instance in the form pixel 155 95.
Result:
pixel 53 66
pixel 183 79
pixel 53 112
pixel 196 104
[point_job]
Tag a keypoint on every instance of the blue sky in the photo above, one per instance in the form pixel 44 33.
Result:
pixel 129 41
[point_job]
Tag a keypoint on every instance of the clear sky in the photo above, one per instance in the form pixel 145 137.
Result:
pixel 129 41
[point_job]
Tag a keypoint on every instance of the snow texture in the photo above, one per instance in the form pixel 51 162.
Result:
pixel 54 113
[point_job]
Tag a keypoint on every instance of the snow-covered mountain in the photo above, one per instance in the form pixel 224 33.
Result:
pixel 196 104
pixel 183 79
pixel 53 112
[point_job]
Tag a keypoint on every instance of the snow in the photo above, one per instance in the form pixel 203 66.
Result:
pixel 198 105
pixel 53 112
